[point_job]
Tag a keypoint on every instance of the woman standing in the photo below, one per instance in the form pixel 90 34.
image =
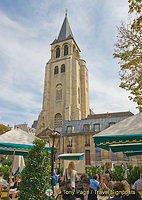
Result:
pixel 70 174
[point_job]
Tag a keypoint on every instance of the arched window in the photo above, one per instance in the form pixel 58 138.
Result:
pixel 58 52
pixel 62 68
pixel 65 50
pixel 58 120
pixel 56 70
pixel 59 92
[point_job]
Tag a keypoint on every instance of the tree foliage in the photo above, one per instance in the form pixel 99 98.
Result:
pixel 129 50
pixel 133 174
pixel 3 129
pixel 36 178
pixel 118 173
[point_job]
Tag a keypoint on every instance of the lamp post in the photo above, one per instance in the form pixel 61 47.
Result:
pixel 54 135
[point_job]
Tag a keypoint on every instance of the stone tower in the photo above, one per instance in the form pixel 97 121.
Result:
pixel 66 88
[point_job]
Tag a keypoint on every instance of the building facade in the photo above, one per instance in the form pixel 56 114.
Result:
pixel 66 104
pixel 77 137
pixel 66 88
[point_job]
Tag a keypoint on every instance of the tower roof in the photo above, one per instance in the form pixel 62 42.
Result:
pixel 65 32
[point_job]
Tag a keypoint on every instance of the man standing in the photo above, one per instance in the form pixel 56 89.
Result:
pixel 138 184
pixel 86 193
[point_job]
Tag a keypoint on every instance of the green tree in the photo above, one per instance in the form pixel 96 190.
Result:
pixel 6 171
pixel 129 51
pixel 133 174
pixel 118 173
pixel 36 177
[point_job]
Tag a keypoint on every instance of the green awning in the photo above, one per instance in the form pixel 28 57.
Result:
pixel 105 141
pixel 72 156
pixel 138 153
pixel 17 141
pixel 126 147
pixel 128 131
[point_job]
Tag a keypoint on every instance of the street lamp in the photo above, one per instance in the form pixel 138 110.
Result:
pixel 54 136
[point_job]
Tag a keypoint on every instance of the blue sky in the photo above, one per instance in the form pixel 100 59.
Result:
pixel 27 28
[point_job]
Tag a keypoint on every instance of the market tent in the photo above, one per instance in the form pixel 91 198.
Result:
pixel 17 141
pixel 71 156
pixel 133 153
pixel 18 165
pixel 126 147
pixel 128 131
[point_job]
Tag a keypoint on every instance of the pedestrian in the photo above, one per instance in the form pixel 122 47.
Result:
pixel 70 174
pixel 104 188
pixel 94 184
pixel 130 194
pixel 3 182
pixel 138 184
pixel 86 193
pixel 118 191
pixel 80 186
pixel 108 169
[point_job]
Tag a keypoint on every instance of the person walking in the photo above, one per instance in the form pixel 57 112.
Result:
pixel 94 184
pixel 70 174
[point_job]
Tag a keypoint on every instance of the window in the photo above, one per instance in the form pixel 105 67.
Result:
pixel 125 158
pixel 69 150
pixel 59 92
pixel 65 50
pixel 87 140
pixel 58 120
pixel 56 70
pixel 69 142
pixel 98 154
pixel 70 129
pixel 114 156
pixel 111 123
pixel 86 128
pixel 96 127
pixel 87 157
pixel 62 68
pixel 58 52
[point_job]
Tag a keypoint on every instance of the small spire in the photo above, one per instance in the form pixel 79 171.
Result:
pixel 66 12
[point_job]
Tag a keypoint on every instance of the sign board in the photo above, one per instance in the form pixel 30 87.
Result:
pixel 49 192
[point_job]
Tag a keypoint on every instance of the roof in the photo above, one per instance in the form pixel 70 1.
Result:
pixel 129 126
pixel 65 32
pixel 102 119
pixel 17 136
pixel 107 115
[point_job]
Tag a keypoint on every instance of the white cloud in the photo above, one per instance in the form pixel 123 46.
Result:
pixel 25 49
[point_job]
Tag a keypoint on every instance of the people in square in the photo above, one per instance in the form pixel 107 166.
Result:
pixel 70 174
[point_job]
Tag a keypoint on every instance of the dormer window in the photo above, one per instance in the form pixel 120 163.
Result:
pixel 58 52
pixel 56 70
pixel 65 50
pixel 62 68
pixel 70 129
pixel 111 123
pixel 86 128
pixel 96 127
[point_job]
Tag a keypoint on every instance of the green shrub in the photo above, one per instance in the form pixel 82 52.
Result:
pixel 118 173
pixel 6 161
pixel 36 177
pixel 133 174
pixel 94 170
pixel 6 171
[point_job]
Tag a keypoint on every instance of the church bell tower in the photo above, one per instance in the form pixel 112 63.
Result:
pixel 66 88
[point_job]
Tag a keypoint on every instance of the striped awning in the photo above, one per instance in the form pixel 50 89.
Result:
pixel 72 156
